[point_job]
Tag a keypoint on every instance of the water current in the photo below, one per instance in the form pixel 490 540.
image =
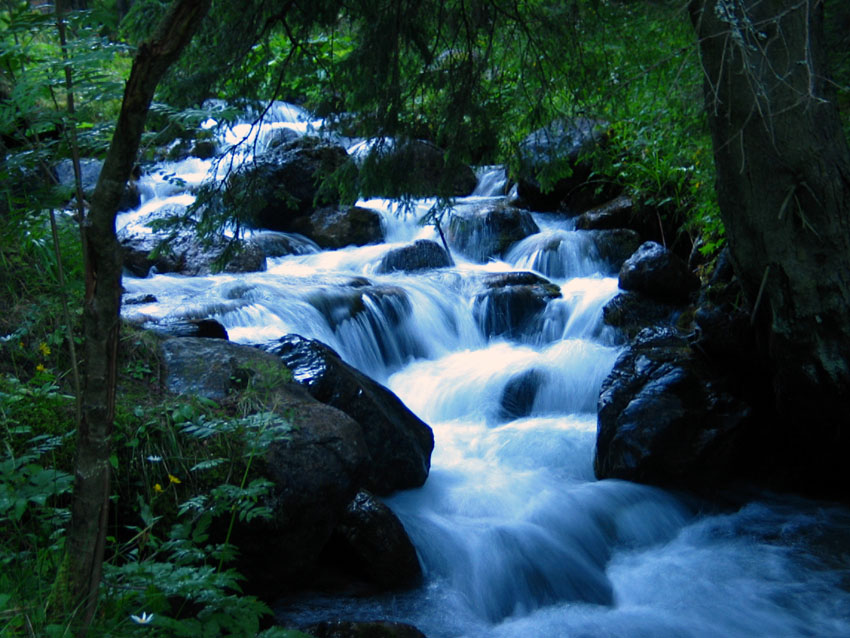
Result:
pixel 515 535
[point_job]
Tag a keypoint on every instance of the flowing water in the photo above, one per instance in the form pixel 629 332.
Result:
pixel 515 535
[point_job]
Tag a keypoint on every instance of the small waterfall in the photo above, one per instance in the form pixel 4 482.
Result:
pixel 515 535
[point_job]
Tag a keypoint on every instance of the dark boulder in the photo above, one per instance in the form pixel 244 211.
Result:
pixel 180 251
pixel 658 273
pixel 631 312
pixel 615 246
pixel 373 629
pixel 420 255
pixel 667 418
pixel 200 328
pixel 316 467
pixel 418 169
pixel 333 227
pixel 616 213
pixel 281 184
pixel 399 443
pixel 371 543
pixel 482 232
pixel 89 174
pixel 518 396
pixel 511 302
pixel 561 148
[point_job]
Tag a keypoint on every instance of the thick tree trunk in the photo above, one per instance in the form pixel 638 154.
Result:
pixel 783 183
pixel 103 300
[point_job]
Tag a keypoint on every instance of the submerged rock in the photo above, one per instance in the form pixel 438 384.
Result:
pixel 518 396
pixel 511 302
pixel 399 443
pixel 420 255
pixel 667 418
pixel 488 231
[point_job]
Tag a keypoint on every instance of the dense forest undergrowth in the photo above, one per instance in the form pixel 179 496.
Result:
pixel 181 467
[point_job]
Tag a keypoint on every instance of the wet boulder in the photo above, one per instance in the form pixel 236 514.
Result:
pixel 199 328
pixel 667 418
pixel 616 213
pixel 276 244
pixel 510 302
pixel 631 312
pixel 519 393
pixel 420 255
pixel 334 227
pixel 658 273
pixel 561 149
pixel 418 169
pixel 280 185
pixel 371 543
pixel 481 232
pixel 399 443
pixel 615 246
pixel 179 251
pixel 315 463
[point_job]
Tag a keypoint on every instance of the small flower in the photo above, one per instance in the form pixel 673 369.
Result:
pixel 173 479
pixel 154 458
pixel 40 368
pixel 144 619
pixel 44 349
pixel 157 488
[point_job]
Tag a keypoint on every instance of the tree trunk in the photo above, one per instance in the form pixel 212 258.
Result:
pixel 103 301
pixel 783 184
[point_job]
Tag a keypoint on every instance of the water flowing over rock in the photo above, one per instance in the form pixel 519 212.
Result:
pixel 333 227
pixel 666 418
pixel 277 244
pixel 281 184
pixel 658 273
pixel 511 302
pixel 371 542
pixel 486 231
pixel 561 148
pixel 399 443
pixel 421 255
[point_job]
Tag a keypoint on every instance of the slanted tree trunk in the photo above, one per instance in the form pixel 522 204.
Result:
pixel 103 300
pixel 783 184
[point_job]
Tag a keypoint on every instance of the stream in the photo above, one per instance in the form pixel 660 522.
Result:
pixel 515 535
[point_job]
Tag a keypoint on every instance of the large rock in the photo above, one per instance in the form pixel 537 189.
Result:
pixel 510 303
pixel 667 418
pixel 416 168
pixel 420 255
pixel 632 312
pixel 482 232
pixel 371 542
pixel 561 149
pixel 180 251
pixel 616 213
pixel 399 443
pixel 277 244
pixel 89 174
pixel 281 185
pixel 658 273
pixel 316 467
pixel 333 227
pixel 615 246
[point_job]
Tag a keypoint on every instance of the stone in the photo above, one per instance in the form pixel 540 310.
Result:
pixel 399 443
pixel 481 232
pixel 371 542
pixel 332 227
pixel 511 302
pixel 667 418
pixel 658 273
pixel 517 400
pixel 615 246
pixel 89 174
pixel 420 255
pixel 613 214
pixel 632 312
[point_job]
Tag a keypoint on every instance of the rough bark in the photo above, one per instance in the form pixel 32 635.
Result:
pixel 783 184
pixel 103 299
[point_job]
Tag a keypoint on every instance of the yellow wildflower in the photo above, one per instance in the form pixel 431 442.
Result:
pixel 157 488
pixel 44 349
pixel 40 368
pixel 173 479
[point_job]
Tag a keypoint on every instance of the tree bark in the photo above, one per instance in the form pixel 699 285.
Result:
pixel 783 185
pixel 103 264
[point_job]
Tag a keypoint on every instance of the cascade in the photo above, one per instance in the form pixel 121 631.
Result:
pixel 515 535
